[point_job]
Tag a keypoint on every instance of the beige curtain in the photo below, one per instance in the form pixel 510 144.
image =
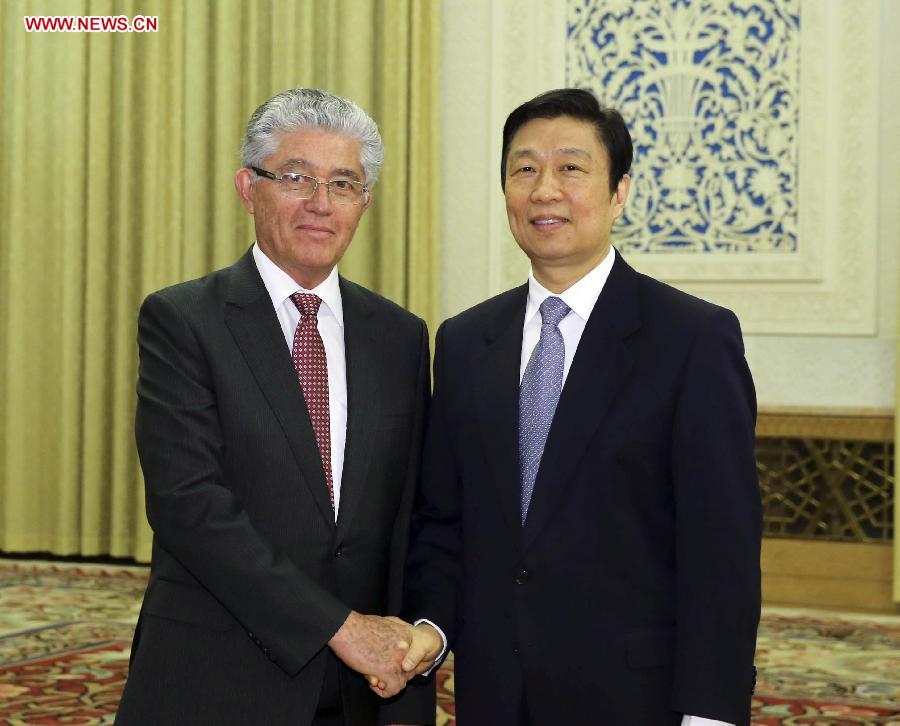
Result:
pixel 117 154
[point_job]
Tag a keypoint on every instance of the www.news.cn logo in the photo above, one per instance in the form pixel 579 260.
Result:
pixel 91 24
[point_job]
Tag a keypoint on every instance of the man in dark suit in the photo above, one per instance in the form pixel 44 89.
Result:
pixel 589 526
pixel 279 423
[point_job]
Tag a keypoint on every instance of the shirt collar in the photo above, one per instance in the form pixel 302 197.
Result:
pixel 281 286
pixel 580 297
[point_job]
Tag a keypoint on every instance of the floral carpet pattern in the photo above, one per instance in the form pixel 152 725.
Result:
pixel 65 633
pixel 826 669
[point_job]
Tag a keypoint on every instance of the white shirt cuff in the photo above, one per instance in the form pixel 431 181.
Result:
pixel 700 721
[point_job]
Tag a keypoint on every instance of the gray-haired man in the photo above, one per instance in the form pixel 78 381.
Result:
pixel 279 424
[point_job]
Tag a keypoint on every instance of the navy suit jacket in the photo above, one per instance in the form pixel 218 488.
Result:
pixel 250 575
pixel 632 593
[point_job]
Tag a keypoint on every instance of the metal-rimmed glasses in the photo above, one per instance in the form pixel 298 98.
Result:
pixel 302 186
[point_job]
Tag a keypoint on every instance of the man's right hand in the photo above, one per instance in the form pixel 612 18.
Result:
pixel 373 645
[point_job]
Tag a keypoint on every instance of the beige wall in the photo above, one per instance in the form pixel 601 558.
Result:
pixel 852 371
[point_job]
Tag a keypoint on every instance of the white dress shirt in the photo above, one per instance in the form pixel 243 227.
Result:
pixel 581 298
pixel 280 287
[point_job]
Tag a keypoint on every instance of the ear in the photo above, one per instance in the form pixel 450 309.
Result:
pixel 243 182
pixel 370 198
pixel 621 195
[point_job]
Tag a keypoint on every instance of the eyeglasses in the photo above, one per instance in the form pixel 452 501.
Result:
pixel 301 186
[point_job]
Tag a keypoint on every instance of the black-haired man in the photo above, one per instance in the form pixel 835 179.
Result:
pixel 588 531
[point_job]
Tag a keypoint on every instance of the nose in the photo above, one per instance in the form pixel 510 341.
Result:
pixel 320 201
pixel 546 186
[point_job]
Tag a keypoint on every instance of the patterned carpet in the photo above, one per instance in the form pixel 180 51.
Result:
pixel 65 631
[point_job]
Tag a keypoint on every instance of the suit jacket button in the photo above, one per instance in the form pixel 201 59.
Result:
pixel 339 551
pixel 522 576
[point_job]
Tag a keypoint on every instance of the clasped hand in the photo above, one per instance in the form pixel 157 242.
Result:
pixel 387 650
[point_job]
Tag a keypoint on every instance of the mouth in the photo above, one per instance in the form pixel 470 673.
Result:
pixel 548 222
pixel 314 230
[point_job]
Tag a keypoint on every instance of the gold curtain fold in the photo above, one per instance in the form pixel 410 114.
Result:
pixel 118 152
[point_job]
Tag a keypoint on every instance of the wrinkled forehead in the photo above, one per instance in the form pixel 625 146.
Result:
pixel 319 150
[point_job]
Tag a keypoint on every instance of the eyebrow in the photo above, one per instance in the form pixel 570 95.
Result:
pixel 348 173
pixel 292 163
pixel 573 151
pixel 566 151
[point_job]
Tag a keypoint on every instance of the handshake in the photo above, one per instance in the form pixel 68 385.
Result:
pixel 387 650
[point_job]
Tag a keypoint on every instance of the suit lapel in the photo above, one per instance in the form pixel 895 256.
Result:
pixel 601 363
pixel 252 322
pixel 364 356
pixel 497 400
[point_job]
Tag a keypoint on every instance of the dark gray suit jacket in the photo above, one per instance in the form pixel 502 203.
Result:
pixel 250 575
pixel 632 594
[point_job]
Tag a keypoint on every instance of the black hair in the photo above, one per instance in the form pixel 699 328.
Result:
pixel 580 104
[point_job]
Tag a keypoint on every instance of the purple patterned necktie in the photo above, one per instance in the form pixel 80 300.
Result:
pixel 539 394
pixel 308 356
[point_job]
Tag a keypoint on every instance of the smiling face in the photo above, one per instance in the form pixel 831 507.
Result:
pixel 305 237
pixel 558 201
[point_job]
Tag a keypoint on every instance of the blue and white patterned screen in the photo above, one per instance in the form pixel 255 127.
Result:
pixel 710 92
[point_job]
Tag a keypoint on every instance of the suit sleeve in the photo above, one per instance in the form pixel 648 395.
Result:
pixel 718 527
pixel 434 569
pixel 196 518
pixel 416 704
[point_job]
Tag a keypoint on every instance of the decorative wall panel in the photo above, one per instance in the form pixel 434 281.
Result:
pixel 711 91
pixel 756 132
pixel 808 263
pixel 827 477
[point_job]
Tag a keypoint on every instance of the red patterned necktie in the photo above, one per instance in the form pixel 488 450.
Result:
pixel 308 355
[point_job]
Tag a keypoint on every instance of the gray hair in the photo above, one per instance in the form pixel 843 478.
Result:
pixel 302 108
